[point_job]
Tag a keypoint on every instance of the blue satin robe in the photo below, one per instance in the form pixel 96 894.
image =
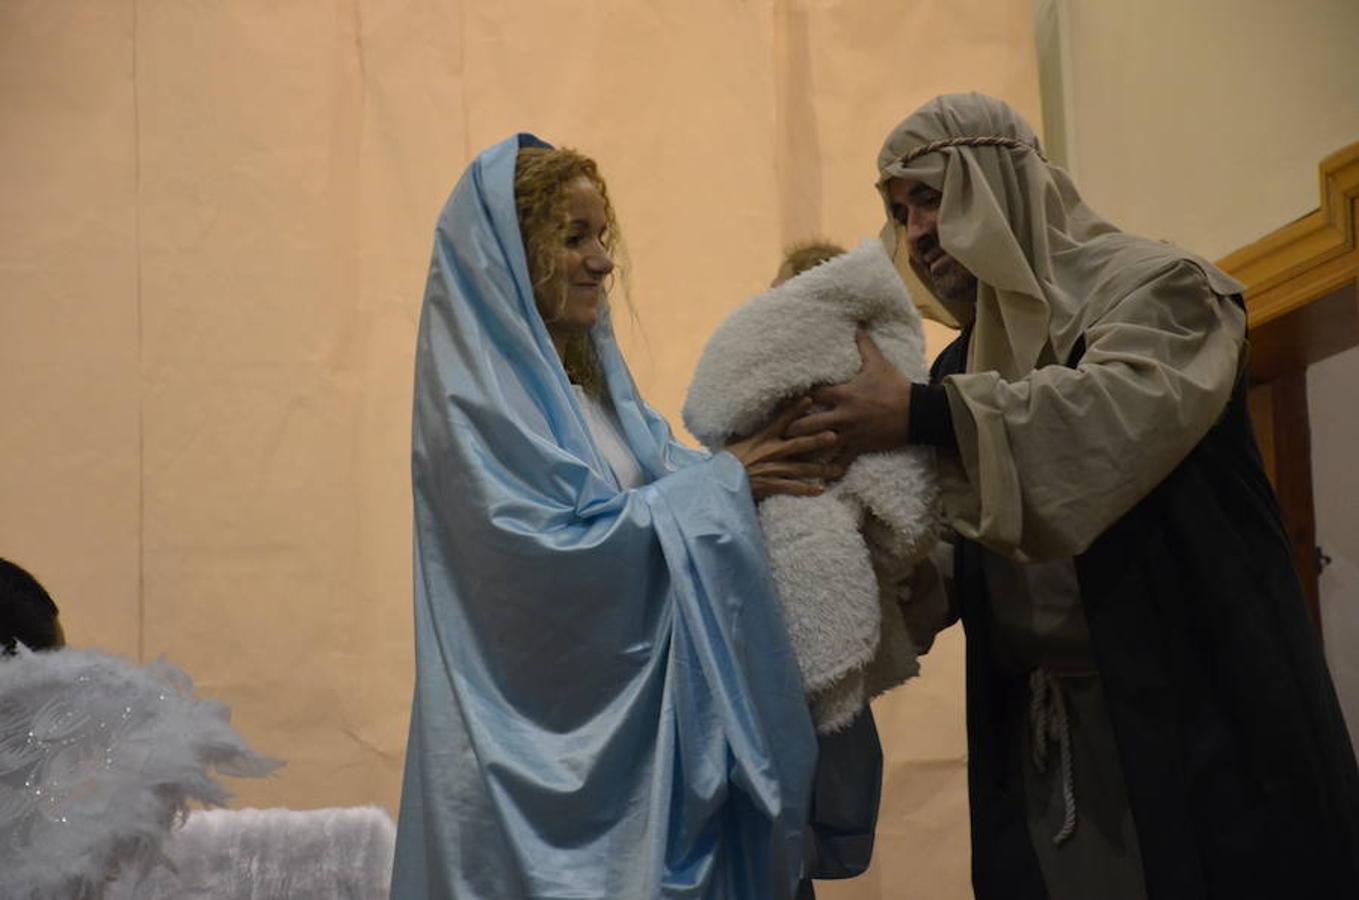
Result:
pixel 606 702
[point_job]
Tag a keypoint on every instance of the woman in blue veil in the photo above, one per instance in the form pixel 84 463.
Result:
pixel 606 703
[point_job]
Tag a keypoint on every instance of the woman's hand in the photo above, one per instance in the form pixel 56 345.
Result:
pixel 778 465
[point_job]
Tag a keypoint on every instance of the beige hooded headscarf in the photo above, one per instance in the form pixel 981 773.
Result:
pixel 1037 438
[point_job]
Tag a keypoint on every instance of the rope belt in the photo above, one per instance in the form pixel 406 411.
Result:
pixel 1047 713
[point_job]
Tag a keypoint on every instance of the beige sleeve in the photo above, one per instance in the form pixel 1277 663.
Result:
pixel 1050 461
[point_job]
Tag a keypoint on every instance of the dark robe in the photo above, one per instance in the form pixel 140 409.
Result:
pixel 1239 771
pixel 845 794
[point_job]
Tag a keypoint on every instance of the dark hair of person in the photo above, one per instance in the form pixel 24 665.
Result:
pixel 27 613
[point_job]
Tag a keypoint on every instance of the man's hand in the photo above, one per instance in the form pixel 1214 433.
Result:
pixel 870 412
pixel 778 465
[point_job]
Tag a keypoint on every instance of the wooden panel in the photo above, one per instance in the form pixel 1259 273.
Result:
pixel 1308 334
pixel 1293 480
pixel 1261 399
pixel 1278 411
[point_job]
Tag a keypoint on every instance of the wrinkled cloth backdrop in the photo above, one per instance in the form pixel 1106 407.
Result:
pixel 215 222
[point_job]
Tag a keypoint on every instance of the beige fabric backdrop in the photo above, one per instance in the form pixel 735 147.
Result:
pixel 215 220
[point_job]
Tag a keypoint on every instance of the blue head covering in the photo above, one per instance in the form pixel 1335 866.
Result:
pixel 606 703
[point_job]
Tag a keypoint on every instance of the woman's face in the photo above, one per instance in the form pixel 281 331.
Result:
pixel 584 262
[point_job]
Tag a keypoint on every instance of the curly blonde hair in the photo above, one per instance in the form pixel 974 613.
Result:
pixel 541 175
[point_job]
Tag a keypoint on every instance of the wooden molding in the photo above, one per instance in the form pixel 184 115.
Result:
pixel 1307 259
pixel 1302 281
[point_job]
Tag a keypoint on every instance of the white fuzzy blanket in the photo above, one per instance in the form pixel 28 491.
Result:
pixel 841 560
pixel 98 758
pixel 274 854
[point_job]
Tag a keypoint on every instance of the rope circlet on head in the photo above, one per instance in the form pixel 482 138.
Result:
pixel 994 140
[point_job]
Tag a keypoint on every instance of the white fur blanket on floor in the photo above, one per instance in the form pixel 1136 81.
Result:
pixel 274 854
pixel 840 560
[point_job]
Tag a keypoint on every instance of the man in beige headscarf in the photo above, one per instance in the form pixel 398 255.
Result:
pixel 1149 713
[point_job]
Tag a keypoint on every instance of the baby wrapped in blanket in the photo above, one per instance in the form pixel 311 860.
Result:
pixel 841 560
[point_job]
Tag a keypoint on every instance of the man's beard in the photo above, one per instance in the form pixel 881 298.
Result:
pixel 953 282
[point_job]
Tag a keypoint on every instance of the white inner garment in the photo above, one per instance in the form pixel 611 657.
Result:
pixel 609 439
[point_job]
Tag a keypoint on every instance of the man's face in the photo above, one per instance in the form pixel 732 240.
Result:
pixel 915 205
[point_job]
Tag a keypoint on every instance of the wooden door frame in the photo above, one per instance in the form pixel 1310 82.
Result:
pixel 1302 305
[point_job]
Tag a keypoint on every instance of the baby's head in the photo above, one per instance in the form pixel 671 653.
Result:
pixel 805 255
